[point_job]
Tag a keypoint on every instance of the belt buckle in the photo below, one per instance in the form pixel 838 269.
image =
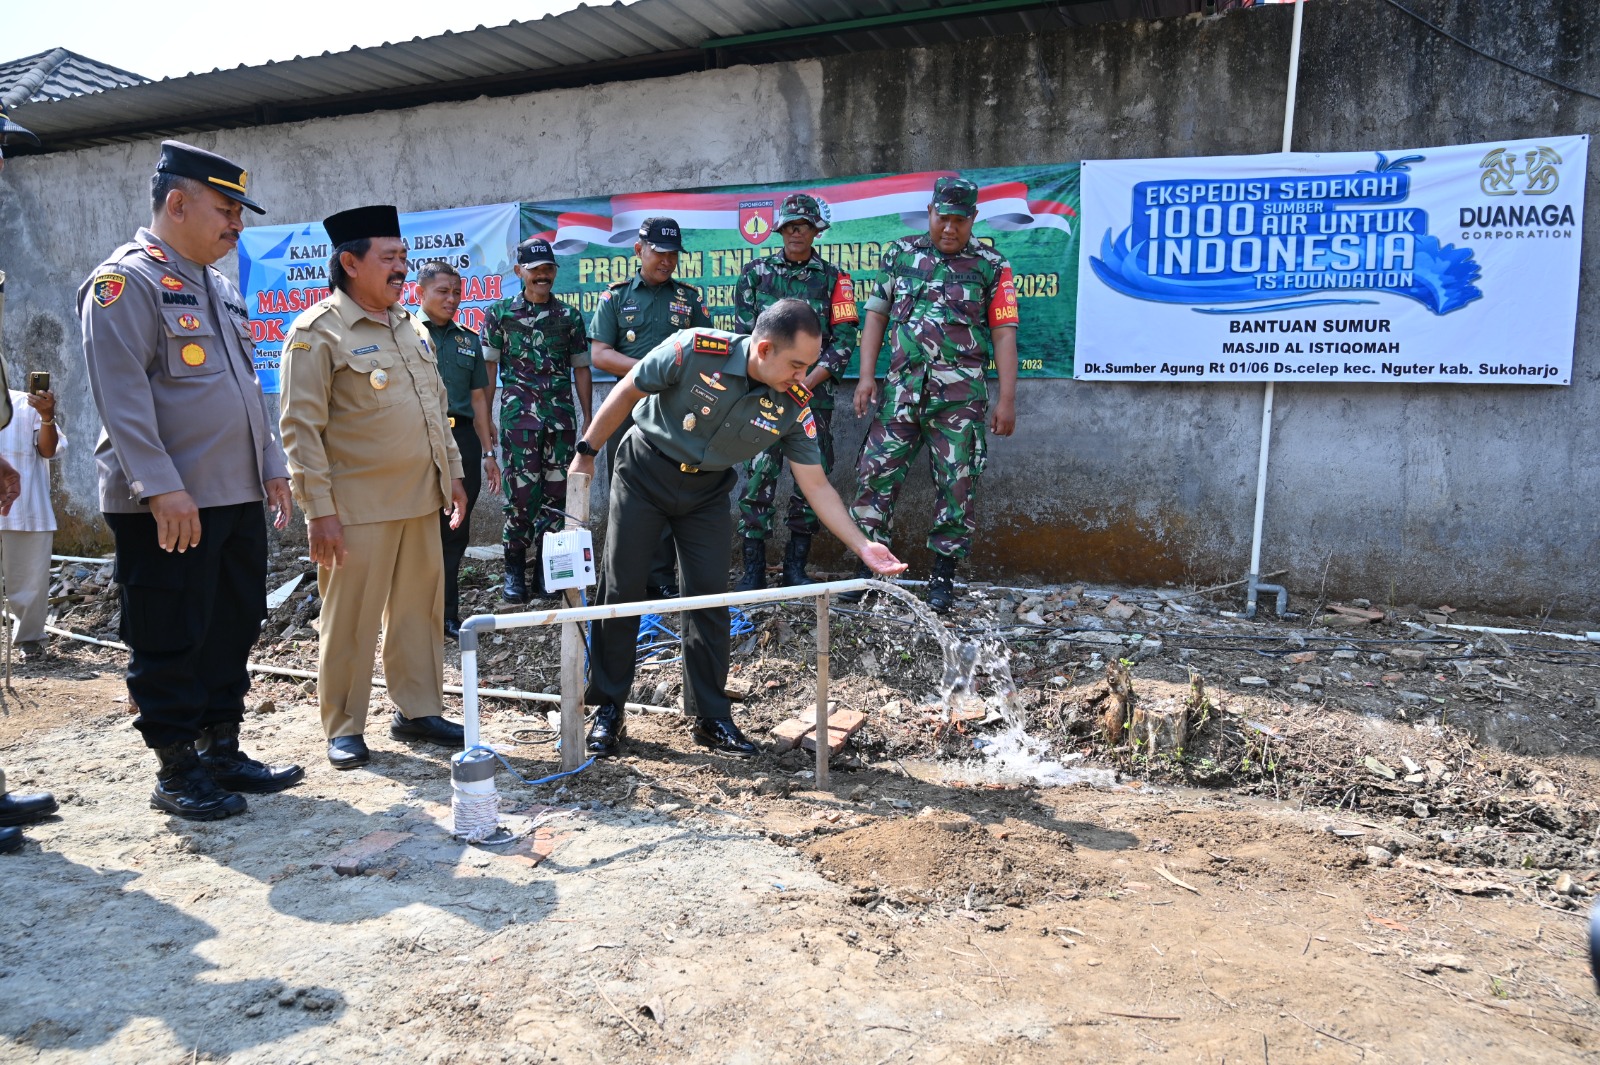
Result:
pixel 684 467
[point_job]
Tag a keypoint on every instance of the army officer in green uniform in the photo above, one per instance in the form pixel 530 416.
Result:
pixel 632 318
pixel 715 399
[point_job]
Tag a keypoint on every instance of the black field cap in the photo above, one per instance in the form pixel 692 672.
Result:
pixel 10 130
pixel 535 251
pixel 362 223
pixel 662 234
pixel 185 160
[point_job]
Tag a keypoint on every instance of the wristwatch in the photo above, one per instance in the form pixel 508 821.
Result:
pixel 586 448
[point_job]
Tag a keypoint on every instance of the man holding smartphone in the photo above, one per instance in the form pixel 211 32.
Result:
pixel 27 532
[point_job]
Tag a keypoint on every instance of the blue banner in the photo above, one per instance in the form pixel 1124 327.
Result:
pixel 283 270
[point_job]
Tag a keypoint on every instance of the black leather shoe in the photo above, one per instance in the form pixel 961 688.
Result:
pixel 25 809
pixel 10 840
pixel 348 752
pixel 661 591
pixel 184 787
pixel 233 770
pixel 723 737
pixel 452 629
pixel 942 585
pixel 432 729
pixel 610 728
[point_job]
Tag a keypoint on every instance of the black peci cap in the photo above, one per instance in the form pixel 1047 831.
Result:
pixel 362 223
pixel 662 234
pixel 208 168
pixel 535 251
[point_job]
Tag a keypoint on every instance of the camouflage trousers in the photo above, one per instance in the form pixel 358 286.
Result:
pixel 535 477
pixel 949 418
pixel 761 487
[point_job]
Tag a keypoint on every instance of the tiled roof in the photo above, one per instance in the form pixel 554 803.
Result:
pixel 57 75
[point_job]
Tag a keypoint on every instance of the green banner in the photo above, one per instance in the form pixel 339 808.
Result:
pixel 1029 214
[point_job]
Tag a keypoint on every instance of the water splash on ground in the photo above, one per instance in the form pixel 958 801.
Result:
pixel 1010 755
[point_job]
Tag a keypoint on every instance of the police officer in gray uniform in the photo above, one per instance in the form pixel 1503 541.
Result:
pixel 186 457
pixel 712 400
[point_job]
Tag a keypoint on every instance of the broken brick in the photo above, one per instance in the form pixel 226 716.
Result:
pixel 786 736
pixel 348 860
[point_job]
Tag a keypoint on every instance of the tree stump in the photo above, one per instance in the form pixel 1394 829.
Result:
pixel 1159 731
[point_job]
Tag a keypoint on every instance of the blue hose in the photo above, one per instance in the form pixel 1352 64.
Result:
pixel 531 783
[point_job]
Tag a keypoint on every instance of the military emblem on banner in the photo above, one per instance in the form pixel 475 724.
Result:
pixel 755 220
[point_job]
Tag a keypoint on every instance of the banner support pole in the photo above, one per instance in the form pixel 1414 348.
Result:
pixel 1256 587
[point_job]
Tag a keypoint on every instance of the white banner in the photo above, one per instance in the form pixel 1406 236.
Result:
pixel 1451 264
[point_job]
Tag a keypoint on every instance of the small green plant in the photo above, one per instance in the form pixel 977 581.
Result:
pixel 1499 987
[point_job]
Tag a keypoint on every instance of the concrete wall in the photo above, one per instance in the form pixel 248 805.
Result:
pixel 1473 495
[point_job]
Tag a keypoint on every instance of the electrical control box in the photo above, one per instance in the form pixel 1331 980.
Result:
pixel 568 559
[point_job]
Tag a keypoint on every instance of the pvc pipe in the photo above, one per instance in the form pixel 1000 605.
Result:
pixel 1267 393
pixel 471 627
pixel 821 731
pixel 80 558
pixel 1592 637
pixel 378 682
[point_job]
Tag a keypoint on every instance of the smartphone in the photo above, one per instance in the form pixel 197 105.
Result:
pixel 38 380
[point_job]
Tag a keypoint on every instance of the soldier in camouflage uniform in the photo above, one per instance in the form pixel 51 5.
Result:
pixel 948 305
pixel 795 271
pixel 543 353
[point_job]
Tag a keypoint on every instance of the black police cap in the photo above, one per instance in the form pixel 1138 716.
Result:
pixel 362 223
pixel 208 168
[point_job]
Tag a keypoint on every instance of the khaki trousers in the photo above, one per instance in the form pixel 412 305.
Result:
pixel 393 578
pixel 27 568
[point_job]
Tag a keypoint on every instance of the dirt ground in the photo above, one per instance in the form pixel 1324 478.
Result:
pixel 1393 863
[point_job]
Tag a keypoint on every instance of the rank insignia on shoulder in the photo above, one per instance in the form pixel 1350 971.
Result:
pixel 801 393
pixel 155 252
pixel 107 287
pixel 713 382
pixel 710 345
pixel 171 283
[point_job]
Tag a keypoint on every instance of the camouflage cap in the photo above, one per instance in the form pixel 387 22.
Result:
pixel 955 195
pixel 798 207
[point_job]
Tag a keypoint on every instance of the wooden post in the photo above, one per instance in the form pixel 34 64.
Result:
pixel 572 737
pixel 821 725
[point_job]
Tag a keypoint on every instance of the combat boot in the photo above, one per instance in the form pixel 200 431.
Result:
pixel 184 787
pixel 231 768
pixel 863 572
pixel 515 589
pixel 942 585
pixel 755 566
pixel 794 560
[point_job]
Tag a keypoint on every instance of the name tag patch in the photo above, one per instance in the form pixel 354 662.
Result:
pixel 368 350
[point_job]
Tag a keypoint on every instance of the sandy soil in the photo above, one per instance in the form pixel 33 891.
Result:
pixel 672 906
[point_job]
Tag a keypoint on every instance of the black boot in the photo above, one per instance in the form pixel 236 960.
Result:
pixel 942 585
pixel 516 584
pixel 863 571
pixel 755 566
pixel 184 787
pixel 794 560
pixel 608 731
pixel 231 768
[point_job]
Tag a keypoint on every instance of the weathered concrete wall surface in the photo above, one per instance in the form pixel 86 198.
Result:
pixel 1474 495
